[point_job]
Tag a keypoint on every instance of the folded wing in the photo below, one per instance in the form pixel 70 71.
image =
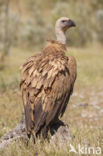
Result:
pixel 46 84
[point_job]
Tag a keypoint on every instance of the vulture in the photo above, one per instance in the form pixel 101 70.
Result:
pixel 47 82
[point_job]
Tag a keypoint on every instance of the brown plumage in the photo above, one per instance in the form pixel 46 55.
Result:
pixel 47 83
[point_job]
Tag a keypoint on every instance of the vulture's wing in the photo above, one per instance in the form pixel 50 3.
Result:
pixel 72 67
pixel 46 86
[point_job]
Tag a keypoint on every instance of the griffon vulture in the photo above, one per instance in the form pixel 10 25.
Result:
pixel 47 82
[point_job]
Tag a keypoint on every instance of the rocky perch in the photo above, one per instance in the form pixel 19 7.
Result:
pixel 59 133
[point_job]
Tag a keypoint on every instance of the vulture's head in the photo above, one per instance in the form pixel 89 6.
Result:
pixel 64 23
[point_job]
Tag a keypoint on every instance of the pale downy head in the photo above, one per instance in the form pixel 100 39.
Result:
pixel 63 24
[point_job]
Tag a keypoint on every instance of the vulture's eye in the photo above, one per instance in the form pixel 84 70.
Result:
pixel 63 21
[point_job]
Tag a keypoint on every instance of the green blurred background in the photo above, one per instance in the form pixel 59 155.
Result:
pixel 31 22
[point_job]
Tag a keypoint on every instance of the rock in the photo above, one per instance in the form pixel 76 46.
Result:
pixel 59 133
pixel 62 136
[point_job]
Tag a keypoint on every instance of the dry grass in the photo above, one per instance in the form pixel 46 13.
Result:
pixel 84 113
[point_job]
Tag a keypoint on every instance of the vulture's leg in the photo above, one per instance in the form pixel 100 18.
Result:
pixel 28 138
pixel 44 132
pixel 33 139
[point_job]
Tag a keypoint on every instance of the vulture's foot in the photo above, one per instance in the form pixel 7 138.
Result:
pixel 54 127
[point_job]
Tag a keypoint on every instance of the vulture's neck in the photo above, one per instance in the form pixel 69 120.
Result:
pixel 60 35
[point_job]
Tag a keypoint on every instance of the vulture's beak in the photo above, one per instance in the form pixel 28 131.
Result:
pixel 71 23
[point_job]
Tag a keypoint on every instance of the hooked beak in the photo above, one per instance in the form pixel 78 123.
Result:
pixel 71 23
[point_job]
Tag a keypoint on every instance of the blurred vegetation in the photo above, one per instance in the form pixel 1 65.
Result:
pixel 32 22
